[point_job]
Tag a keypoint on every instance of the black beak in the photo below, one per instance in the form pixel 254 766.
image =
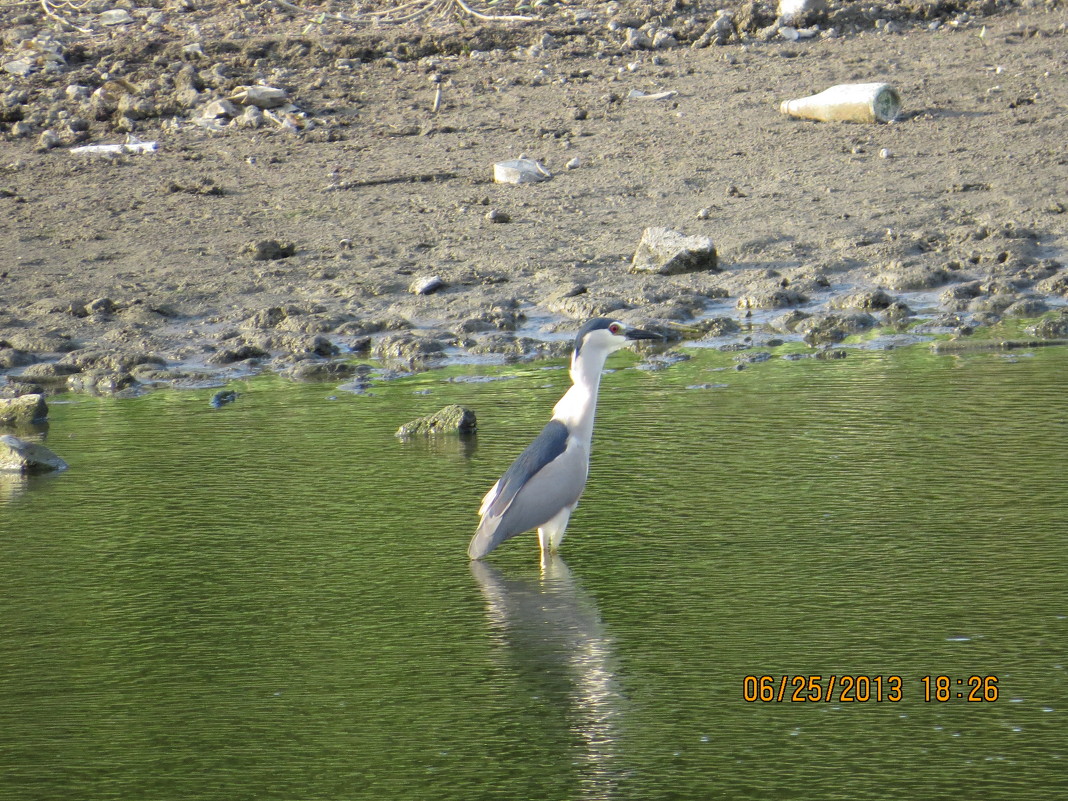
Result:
pixel 637 333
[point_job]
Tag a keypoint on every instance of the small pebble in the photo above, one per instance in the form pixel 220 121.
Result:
pixel 498 216
pixel 886 153
pixel 575 163
pixel 427 286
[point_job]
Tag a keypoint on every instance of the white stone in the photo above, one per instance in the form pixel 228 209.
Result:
pixel 116 16
pixel 667 252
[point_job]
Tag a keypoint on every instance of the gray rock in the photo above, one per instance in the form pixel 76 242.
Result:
pixel 830 328
pixel 100 382
pixel 771 299
pixel 115 16
pixel 864 299
pixel 718 326
pixel 638 39
pixel 664 40
pixel 237 354
pixel 666 252
pixel 23 410
pixel 269 249
pixel 19 456
pixel 51 373
pixel 427 286
pixel 449 420
pixel 114 361
pixel 251 117
pixel 20 67
pixel 218 108
pixel 1027 307
pixel 903 277
pixel 1051 327
pixel 320 371
pixel 407 348
pixel 13 357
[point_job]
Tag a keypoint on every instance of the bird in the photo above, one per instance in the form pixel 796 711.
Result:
pixel 542 487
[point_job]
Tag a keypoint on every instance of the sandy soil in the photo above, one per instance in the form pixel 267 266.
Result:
pixel 143 268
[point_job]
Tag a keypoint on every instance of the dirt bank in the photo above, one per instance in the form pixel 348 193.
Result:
pixel 152 267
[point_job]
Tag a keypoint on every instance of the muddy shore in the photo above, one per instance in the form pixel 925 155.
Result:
pixel 296 236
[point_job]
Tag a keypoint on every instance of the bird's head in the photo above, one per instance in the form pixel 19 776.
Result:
pixel 603 335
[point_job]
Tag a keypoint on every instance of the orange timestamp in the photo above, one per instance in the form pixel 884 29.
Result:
pixel 846 689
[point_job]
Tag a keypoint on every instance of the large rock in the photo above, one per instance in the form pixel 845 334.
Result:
pixel 666 252
pixel 22 410
pixel 449 420
pixel 19 456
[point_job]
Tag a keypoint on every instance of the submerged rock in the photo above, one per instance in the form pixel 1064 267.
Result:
pixel 222 397
pixel 827 329
pixel 22 410
pixel 449 420
pixel 19 456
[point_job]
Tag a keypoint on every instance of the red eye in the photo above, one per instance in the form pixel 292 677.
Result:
pixel 615 328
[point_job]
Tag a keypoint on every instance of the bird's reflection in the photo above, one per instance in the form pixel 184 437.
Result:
pixel 551 634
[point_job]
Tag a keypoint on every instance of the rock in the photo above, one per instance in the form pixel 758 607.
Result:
pixel 100 382
pixel 269 249
pixel 666 252
pixel 718 326
pixel 896 312
pixel 584 306
pixel 1056 284
pixel 449 420
pixel 222 397
pixel 426 286
pixel 637 39
pixel 101 306
pixel 903 277
pixel 19 456
pixel 48 140
pixel 113 361
pixel 237 354
pixel 252 117
pixel 957 297
pixel 407 348
pixel 664 40
pixel 23 410
pixel 789 321
pixel 865 299
pixel 1051 327
pixel 320 371
pixel 116 16
pixel 218 108
pixel 830 328
pixel 20 67
pixel 259 96
pixel 771 299
pixel 13 357
pixel 50 374
pixel 498 216
pixel 1027 307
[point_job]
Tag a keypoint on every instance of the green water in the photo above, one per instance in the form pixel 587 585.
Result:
pixel 271 600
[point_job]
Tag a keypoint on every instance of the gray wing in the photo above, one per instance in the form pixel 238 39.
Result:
pixel 549 475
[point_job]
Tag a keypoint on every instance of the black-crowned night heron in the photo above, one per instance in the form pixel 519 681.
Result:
pixel 543 485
